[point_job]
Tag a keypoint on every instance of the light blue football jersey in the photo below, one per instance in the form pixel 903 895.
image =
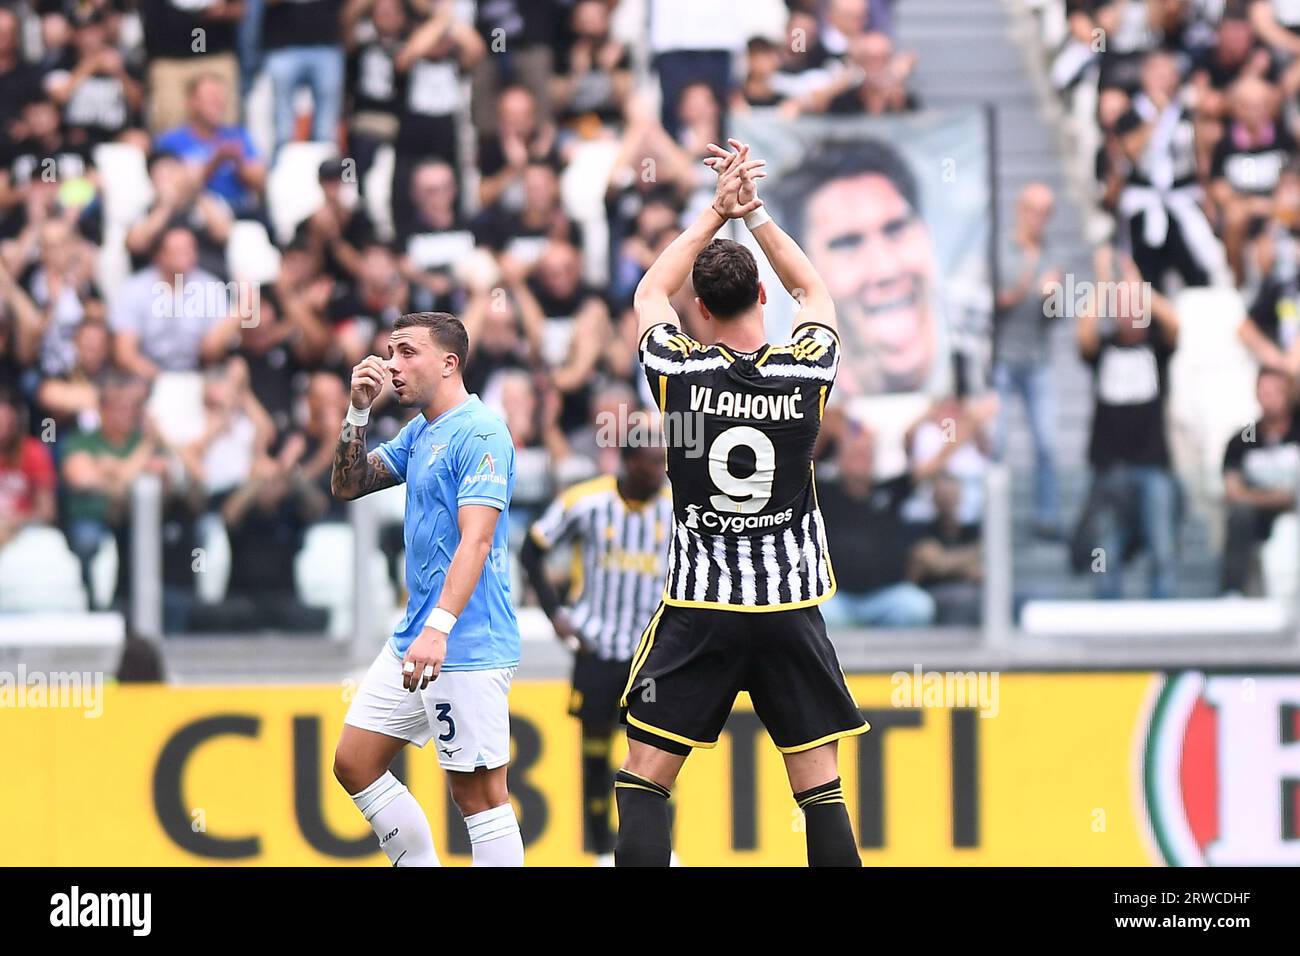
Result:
pixel 464 456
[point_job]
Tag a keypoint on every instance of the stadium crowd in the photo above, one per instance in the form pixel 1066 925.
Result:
pixel 1196 110
pixel 451 131
pixel 143 347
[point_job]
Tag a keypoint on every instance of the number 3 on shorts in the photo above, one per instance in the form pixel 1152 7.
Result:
pixel 444 716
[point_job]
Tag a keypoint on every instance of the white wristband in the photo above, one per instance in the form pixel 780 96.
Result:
pixel 357 416
pixel 757 218
pixel 441 620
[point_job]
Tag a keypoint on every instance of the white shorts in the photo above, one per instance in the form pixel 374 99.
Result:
pixel 465 712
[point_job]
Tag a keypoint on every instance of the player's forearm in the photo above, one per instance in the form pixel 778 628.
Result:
pixel 353 474
pixel 532 557
pixel 463 573
pixel 793 267
pixel 668 273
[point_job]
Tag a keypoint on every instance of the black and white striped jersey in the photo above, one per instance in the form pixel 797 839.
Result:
pixel 740 429
pixel 619 559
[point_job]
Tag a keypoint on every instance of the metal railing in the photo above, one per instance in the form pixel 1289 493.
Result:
pixel 1110 634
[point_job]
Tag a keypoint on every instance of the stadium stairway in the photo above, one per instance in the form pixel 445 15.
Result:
pixel 972 52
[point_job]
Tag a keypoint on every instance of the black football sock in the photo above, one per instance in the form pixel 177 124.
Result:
pixel 644 831
pixel 597 783
pixel 827 827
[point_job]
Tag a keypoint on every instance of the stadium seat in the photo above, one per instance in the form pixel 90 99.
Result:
pixel 582 191
pixel 293 185
pixel 1184 618
pixel 250 254
pixel 573 469
pixel 215 543
pixel 176 405
pixel 259 115
pixel 113 264
pixel 323 576
pixel 1050 16
pixel 1279 558
pixel 124 178
pixel 103 573
pixel 389 505
pixel 1083 126
pixel 889 417
pixel 1211 395
pixel 38 572
pixel 379 192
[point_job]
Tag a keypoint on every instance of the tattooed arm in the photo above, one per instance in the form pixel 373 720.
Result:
pixel 355 473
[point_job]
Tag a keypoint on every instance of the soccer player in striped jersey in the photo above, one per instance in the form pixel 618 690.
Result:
pixel 618 526
pixel 747 563
pixel 445 673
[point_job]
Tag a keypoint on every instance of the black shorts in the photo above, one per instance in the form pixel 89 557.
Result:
pixel 597 687
pixel 693 661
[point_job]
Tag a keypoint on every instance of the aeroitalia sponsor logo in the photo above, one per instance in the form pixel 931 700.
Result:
pixel 486 472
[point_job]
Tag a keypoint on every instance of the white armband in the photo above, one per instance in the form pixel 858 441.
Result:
pixel 757 218
pixel 441 620
pixel 357 416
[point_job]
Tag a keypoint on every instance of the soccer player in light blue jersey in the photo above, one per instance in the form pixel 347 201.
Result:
pixel 446 672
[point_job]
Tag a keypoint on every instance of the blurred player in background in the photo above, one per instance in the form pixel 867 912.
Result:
pixel 619 526
pixel 748 535
pixel 446 671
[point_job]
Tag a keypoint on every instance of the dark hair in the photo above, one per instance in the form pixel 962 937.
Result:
pixel 157 156
pixel 12 398
pixel 331 170
pixel 432 162
pixel 658 192
pixel 725 277
pixel 175 224
pixel 116 383
pixel 444 328
pixel 266 295
pixel 633 450
pixel 841 160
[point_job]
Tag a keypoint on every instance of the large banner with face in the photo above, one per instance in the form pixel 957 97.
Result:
pixel 896 215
